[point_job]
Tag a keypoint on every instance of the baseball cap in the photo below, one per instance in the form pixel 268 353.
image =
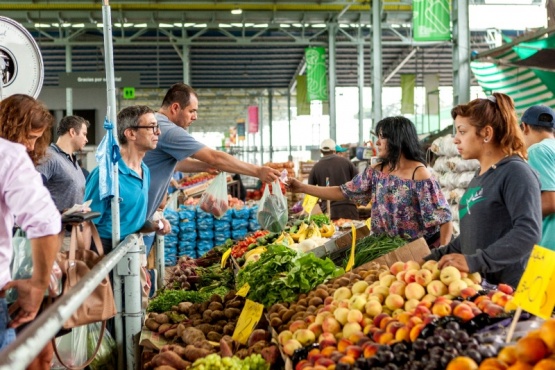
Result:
pixel 532 116
pixel 327 145
pixel 340 149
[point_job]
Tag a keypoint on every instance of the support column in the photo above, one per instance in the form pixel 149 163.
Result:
pixel 461 52
pixel 332 31
pixel 290 157
pixel 270 118
pixel 360 65
pixel 186 64
pixel 376 61
pixel 69 90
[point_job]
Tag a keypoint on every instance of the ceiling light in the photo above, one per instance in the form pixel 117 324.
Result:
pixel 319 25
pixel 140 25
pixel 224 25
pixel 262 25
pixel 297 25
pixel 236 11
pixel 42 25
pixel 284 25
pixel 165 25
pixel 200 25
pixel 78 25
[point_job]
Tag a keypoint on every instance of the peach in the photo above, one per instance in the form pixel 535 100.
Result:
pixel 313 355
pixel 373 308
pixel 297 325
pixel 531 350
pixel 475 277
pixel 354 316
pixel 386 338
pixel 429 298
pixel 449 274
pixel 304 337
pixel 331 325
pixel 403 334
pixel 507 289
pixel 423 277
pixel 492 364
pixel 400 276
pixel 303 364
pixel 393 326
pixel 415 331
pixel 328 300
pixel 468 281
pixel 316 329
pixel 441 309
pixel 356 337
pixel 414 291
pixel 545 364
pixel 328 349
pixel 290 346
pixel 359 287
pixel 397 267
pixel 327 336
pixel 462 363
pixel 310 319
pixel 436 288
pixel 376 297
pixel 340 314
pixel 342 293
pixel 353 351
pixel 357 302
pixel 478 287
pixel 468 292
pixel 383 290
pixel 463 311
pixel 343 344
pixel 421 310
pixel 394 301
pixel 430 265
pixel 507 355
pixel 284 336
pixel 411 304
pixel 370 350
pixel 397 287
pixel 410 276
pixel 321 316
pixel 493 309
pixel 387 280
pixel 500 298
pixel 379 318
pixel 412 265
pixel 325 362
pixel 350 360
pixel 456 286
pixel 547 334
pixel 351 328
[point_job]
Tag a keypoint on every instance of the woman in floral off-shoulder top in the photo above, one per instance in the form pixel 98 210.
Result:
pixel 406 199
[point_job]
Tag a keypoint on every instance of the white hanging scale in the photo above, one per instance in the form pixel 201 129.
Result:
pixel 21 67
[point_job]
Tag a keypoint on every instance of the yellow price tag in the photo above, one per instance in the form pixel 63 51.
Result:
pixel 368 223
pixel 536 290
pixel 251 314
pixel 309 202
pixel 225 257
pixel 244 290
pixel 353 244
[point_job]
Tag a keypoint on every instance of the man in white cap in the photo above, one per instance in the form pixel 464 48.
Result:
pixel 538 124
pixel 334 170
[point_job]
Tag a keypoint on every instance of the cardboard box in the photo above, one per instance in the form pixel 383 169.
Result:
pixel 413 251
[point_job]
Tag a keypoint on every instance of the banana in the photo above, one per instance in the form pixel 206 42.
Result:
pixel 258 250
pixel 280 239
pixel 327 231
pixel 301 231
pixel 289 239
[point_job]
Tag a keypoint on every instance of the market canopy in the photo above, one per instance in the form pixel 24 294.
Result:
pixel 524 70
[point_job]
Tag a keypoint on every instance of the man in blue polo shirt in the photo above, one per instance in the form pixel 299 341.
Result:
pixel 138 133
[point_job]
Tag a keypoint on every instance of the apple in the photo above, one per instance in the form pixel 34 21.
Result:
pixel 449 274
pixel 423 277
pixel 414 291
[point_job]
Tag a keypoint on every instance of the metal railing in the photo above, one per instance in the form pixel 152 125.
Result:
pixel 39 332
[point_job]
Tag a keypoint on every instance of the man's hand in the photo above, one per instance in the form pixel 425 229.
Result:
pixel 454 259
pixel 268 175
pixel 294 185
pixel 29 299
pixel 213 171
pixel 166 229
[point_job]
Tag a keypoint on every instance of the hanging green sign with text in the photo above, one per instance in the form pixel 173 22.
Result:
pixel 431 20
pixel 316 74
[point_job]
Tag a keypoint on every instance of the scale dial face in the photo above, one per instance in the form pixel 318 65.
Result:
pixel 21 67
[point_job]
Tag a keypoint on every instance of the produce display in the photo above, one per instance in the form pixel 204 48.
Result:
pixel 375 246
pixel 216 362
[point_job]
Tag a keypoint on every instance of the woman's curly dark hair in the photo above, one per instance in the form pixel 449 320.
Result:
pixel 20 115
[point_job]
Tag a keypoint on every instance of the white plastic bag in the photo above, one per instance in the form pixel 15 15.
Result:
pixel 72 348
pixel 214 200
pixel 272 212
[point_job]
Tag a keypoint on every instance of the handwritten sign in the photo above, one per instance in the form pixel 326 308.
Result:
pixel 309 202
pixel 225 257
pixel 536 290
pixel 251 314
pixel 244 290
pixel 353 244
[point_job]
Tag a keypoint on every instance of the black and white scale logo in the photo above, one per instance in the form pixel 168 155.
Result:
pixel 8 66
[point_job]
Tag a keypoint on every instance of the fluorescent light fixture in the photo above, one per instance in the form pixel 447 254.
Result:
pixel 262 25
pixel 42 25
pixel 224 25
pixel 298 25
pixel 237 24
pixel 395 26
pixel 236 11
pixel 200 25
pixel 78 25
pixel 284 25
pixel 249 24
pixel 344 25
pixel 165 25
pixel 140 25
pixel 319 25
pixel 178 24
pixel 99 25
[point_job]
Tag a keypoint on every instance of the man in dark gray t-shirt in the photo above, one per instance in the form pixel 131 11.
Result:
pixel 61 174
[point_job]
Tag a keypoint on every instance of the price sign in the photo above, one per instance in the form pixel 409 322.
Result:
pixel 353 244
pixel 536 290
pixel 244 290
pixel 251 314
pixel 309 202
pixel 225 257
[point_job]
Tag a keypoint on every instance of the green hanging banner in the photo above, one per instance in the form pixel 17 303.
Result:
pixel 316 73
pixel 431 20
pixel 408 82
pixel 303 106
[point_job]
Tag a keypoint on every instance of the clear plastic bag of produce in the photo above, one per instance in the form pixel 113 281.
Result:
pixel 72 348
pixel 215 200
pixel 105 357
pixel 272 211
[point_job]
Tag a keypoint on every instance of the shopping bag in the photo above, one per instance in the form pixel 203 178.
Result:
pixel 21 267
pixel 272 211
pixel 104 358
pixel 214 200
pixel 71 349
